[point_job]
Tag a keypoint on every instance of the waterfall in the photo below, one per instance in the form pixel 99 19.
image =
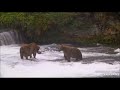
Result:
pixel 10 37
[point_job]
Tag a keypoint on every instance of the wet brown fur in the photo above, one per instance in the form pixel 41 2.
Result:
pixel 29 49
pixel 71 52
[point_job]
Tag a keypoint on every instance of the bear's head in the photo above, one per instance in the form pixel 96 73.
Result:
pixel 37 49
pixel 60 47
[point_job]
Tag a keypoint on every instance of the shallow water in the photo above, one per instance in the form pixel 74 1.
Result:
pixel 97 62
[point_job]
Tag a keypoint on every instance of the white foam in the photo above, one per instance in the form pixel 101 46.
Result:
pixel 117 50
pixel 13 66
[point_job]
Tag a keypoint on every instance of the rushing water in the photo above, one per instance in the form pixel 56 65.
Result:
pixel 10 37
pixel 97 62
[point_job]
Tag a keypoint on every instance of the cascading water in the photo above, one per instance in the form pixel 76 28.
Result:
pixel 10 37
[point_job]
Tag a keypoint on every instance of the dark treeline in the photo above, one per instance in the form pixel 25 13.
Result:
pixel 59 27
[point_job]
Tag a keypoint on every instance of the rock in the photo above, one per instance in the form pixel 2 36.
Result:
pixel 39 52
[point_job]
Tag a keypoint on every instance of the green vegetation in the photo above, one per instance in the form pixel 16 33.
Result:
pixel 59 27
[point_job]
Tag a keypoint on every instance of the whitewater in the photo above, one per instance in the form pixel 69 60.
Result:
pixel 97 62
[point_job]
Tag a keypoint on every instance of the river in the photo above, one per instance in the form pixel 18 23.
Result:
pixel 98 62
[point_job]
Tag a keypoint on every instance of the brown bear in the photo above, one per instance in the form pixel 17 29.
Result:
pixel 70 52
pixel 29 49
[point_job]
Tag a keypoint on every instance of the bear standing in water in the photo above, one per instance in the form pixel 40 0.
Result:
pixel 71 52
pixel 29 49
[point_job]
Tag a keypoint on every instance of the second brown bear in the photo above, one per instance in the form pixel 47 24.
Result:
pixel 70 52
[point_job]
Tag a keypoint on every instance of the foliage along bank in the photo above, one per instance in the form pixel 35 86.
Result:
pixel 59 27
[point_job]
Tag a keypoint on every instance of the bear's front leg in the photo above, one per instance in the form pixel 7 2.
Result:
pixel 77 59
pixel 26 57
pixel 34 54
pixel 68 59
pixel 21 56
pixel 65 57
pixel 30 56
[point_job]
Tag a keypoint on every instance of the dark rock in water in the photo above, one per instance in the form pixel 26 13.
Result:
pixel 111 52
pixel 51 47
pixel 98 44
pixel 39 52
